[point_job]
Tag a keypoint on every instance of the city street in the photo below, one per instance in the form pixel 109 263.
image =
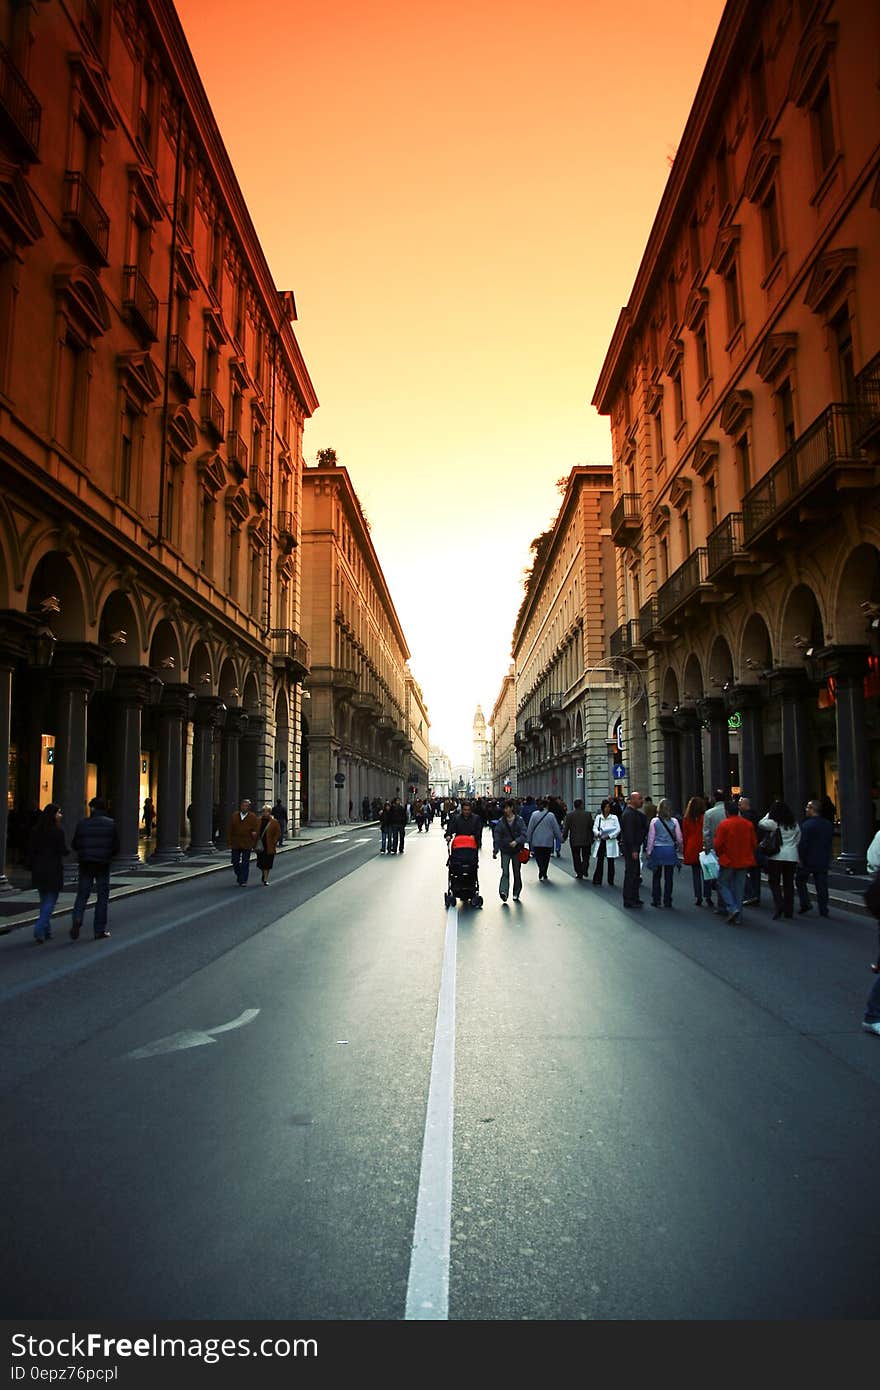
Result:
pixel 655 1115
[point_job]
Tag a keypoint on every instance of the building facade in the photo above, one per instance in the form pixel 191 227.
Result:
pixel 419 774
pixel 567 695
pixel 440 772
pixel 743 387
pixel 503 725
pixel 482 763
pixel 152 403
pixel 363 704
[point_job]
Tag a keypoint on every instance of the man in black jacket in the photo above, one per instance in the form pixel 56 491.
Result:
pixel 578 827
pixel 95 842
pixel 633 832
pixel 814 851
pixel 467 822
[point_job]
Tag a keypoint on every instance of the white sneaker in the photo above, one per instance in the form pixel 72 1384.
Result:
pixel 872 1028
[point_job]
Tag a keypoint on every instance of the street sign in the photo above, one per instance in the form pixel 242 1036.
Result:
pixel 734 721
pixel 579 773
pixel 619 772
pixel 339 779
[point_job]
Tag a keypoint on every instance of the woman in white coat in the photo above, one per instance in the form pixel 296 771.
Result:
pixel 606 832
pixel 781 866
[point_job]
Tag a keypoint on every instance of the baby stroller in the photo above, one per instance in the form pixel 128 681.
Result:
pixel 462 864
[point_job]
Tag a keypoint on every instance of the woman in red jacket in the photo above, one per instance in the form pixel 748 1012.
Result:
pixel 692 834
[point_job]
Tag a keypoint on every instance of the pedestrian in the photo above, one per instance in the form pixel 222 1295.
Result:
pixel 814 854
pixel 606 837
pixel 618 803
pixel 632 838
pixel 735 844
pixel 95 842
pixel 244 827
pixel 46 851
pixel 577 826
pixel 365 808
pixel 149 816
pixel 280 815
pixel 385 828
pixel 664 844
pixel 752 890
pixel 711 821
pixel 692 840
pixel 560 811
pixel 465 822
pixel 509 837
pixel 268 839
pixel 397 822
pixel 543 831
pixel 780 845
pixel 649 810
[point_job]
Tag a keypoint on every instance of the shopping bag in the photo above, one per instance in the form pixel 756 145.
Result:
pixel 709 864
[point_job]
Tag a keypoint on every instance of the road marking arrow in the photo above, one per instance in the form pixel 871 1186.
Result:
pixel 176 1042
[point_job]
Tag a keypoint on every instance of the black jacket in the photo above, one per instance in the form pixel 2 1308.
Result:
pixel 46 851
pixel 578 827
pixel 465 825
pixel 95 839
pixel 814 848
pixel 633 830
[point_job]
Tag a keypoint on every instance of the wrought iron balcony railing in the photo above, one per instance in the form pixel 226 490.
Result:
pixel 260 485
pixel 85 216
pixel 236 452
pixel 291 651
pixel 725 542
pixel 183 365
pixel 682 584
pixel 19 107
pixel 140 302
pixel 213 414
pixel 626 518
pixel 551 708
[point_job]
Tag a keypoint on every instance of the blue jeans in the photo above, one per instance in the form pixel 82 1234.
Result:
pixel 664 872
pixel 510 859
pixel 43 927
pixel 701 888
pixel 97 876
pixel 386 837
pixel 872 1007
pixel 731 885
pixel 241 863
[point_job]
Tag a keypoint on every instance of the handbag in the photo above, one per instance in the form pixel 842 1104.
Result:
pixel 770 842
pixel 524 855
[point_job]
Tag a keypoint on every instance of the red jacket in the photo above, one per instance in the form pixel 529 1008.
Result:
pixel 735 843
pixel 692 834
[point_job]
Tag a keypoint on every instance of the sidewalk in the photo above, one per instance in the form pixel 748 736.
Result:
pixel 20 907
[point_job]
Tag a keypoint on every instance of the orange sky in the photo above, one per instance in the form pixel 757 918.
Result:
pixel 459 193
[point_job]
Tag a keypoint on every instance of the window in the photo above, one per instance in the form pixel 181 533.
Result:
pixel 664 559
pixel 722 177
pixel 758 91
pixel 770 222
pixel 711 504
pixel 170 519
pixel 841 329
pixel 206 558
pixel 732 297
pixel 702 344
pixel 743 463
pixel 686 533
pixel 256 578
pixel 677 397
pixel 659 440
pixel 126 454
pixel 671 301
pixel 233 550
pixel 785 416
pixel 216 261
pixel 69 418
pixel 694 247
pixel 825 143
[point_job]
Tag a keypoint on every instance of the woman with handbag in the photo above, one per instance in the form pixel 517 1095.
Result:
pixel 692 837
pixel 268 836
pixel 663 848
pixel 509 835
pixel 606 850
pixel 46 851
pixel 780 836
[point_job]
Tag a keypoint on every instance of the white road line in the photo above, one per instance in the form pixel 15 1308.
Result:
pixel 85 958
pixel 427 1292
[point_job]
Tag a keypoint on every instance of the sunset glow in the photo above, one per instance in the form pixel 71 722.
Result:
pixel 459 197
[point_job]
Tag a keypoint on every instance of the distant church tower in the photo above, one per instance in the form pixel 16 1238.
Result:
pixel 481 761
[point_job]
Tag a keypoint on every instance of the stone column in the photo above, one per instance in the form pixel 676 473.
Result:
pixel 713 714
pixel 209 714
pixel 252 742
pixel 749 701
pixel 234 726
pixel 672 762
pixel 848 666
pixel 174 711
pixel 15 629
pixel 790 686
pixel 689 726
pixel 75 672
pixel 131 691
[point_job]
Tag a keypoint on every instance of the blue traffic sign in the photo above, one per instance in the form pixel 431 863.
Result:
pixel 619 772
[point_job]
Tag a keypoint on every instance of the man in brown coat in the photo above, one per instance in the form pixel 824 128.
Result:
pixel 243 831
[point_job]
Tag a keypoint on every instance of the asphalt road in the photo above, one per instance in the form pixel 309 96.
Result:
pixel 655 1115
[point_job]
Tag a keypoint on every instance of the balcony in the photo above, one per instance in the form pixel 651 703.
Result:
pixel 84 218
pixel 650 630
pixel 828 458
pixel 183 366
pixel 290 653
pixel 520 739
pixel 259 486
pixel 140 303
pixel 286 533
pixel 868 401
pixel 344 681
pixel 385 723
pixel 626 518
pixel 20 111
pixel 551 710
pixel 236 453
pixel 533 729
pixel 626 639
pixel 213 415
pixel 682 585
